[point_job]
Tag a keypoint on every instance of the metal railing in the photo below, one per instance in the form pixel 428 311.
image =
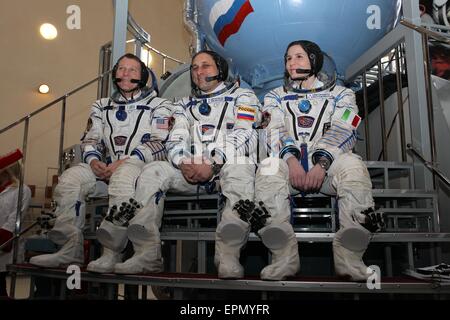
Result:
pixel 397 63
pixel 433 34
pixel 429 165
pixel 62 99
pixel 164 57
pixel 381 69
pixel 26 121
pixel 426 34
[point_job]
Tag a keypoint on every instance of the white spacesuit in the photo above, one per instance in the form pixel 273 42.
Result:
pixel 132 128
pixel 219 127
pixel 317 126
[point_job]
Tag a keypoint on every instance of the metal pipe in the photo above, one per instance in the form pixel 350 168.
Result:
pixel 104 64
pixel 12 125
pixel 162 54
pixel 400 104
pixel 19 204
pixel 382 114
pixel 101 63
pixel 423 30
pixel 120 26
pixel 137 31
pixel 61 136
pixel 164 65
pixel 430 165
pixel 428 87
pixel 19 235
pixel 190 22
pixel 138 49
pixel 366 115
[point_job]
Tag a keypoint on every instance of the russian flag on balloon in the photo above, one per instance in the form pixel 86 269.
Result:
pixel 227 16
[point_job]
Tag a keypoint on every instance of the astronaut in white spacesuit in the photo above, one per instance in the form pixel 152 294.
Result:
pixel 311 132
pixel 131 126
pixel 216 144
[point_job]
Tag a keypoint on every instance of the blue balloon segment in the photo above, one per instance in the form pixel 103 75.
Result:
pixel 255 46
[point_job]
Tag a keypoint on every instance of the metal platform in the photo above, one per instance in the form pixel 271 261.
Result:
pixel 316 236
pixel 398 285
pixel 190 221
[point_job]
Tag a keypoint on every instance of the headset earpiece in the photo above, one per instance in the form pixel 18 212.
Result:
pixel 144 75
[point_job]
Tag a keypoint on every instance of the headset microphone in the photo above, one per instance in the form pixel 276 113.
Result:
pixel 212 78
pixel 117 80
pixel 303 78
pixel 303 70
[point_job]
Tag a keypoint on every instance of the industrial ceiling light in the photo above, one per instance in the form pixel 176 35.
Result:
pixel 43 88
pixel 48 31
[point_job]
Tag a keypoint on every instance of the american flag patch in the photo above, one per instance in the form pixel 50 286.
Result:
pixel 162 123
pixel 246 113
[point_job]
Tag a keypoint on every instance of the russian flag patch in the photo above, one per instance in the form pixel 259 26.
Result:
pixel 246 113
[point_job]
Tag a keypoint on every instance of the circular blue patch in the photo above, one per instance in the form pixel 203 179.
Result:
pixel 121 115
pixel 205 108
pixel 304 106
pixel 146 138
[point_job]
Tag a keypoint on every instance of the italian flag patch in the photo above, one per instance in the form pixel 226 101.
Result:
pixel 351 117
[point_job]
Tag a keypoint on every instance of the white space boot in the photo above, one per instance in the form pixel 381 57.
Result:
pixel 143 232
pixel 74 184
pixel 230 238
pixel 146 259
pixel 106 263
pixel 71 252
pixel 280 240
pixel 349 245
pixel 114 240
